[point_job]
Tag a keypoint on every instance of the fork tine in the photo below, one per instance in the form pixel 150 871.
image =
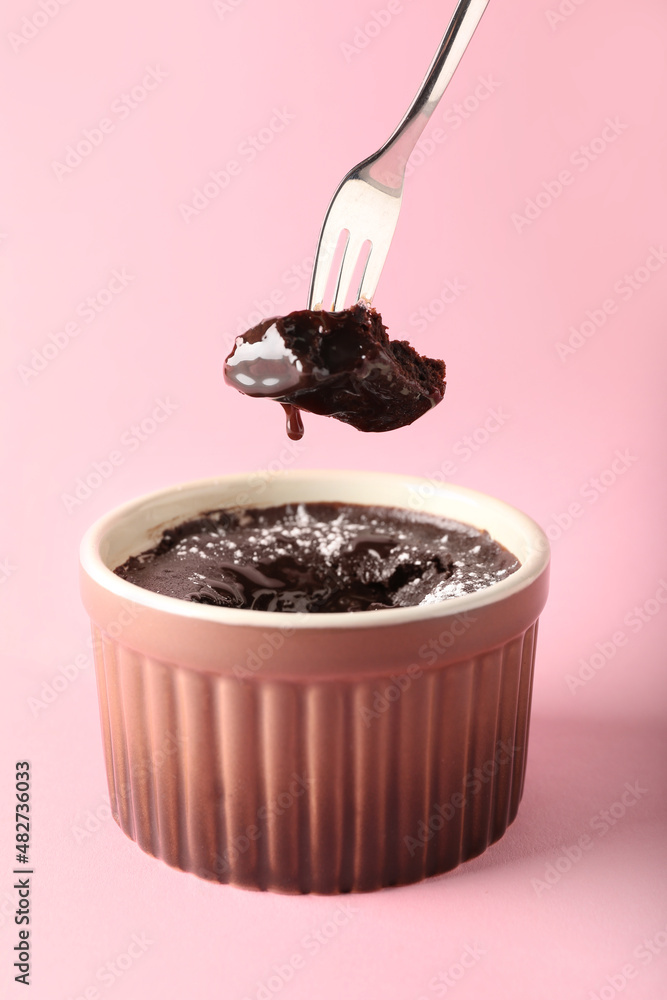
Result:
pixel 324 258
pixel 348 265
pixel 372 271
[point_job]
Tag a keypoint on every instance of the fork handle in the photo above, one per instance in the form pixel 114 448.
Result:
pixel 393 156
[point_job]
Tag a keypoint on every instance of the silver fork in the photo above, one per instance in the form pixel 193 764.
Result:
pixel 368 199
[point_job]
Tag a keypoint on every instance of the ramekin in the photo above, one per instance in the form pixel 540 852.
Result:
pixel 318 753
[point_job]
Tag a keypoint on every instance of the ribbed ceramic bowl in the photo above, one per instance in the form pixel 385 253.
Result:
pixel 313 753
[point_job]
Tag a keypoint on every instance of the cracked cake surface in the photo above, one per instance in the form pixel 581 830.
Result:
pixel 319 557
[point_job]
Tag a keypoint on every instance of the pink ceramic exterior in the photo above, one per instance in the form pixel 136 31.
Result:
pixel 314 753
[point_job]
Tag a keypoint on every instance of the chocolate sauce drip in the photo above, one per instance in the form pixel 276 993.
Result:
pixel 293 421
pixel 319 557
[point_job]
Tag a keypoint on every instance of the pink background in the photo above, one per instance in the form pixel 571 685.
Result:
pixel 218 76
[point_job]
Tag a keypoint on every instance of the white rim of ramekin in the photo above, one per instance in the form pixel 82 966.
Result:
pixel 530 569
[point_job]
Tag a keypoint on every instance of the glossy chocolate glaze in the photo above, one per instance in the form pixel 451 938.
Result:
pixel 340 365
pixel 319 557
